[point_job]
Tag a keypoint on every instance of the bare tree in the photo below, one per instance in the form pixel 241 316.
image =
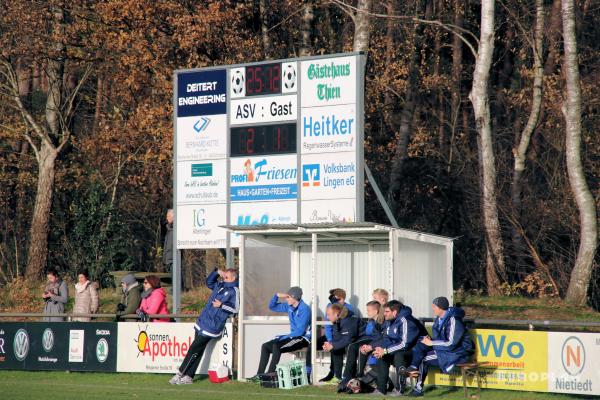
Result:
pixel 495 268
pixel 457 55
pixel 47 140
pixel 520 152
pixel 407 113
pixel 571 108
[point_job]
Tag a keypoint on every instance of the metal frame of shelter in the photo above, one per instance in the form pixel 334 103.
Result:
pixel 358 234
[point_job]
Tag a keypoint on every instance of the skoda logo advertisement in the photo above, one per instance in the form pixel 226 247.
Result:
pixel 102 350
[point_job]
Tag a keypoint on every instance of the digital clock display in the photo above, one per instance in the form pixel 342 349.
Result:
pixel 263 79
pixel 263 140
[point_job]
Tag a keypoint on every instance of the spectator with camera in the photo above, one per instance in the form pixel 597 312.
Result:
pixel 56 295
pixel 131 299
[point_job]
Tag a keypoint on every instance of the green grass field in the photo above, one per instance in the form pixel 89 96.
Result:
pixel 18 385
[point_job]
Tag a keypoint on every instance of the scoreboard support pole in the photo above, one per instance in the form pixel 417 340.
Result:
pixel 380 197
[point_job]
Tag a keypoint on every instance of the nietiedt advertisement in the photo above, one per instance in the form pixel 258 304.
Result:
pixel 161 347
pixel 574 363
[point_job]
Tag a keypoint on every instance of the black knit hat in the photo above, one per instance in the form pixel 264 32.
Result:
pixel 441 302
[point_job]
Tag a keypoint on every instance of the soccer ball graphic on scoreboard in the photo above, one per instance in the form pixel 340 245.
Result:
pixel 238 82
pixel 289 77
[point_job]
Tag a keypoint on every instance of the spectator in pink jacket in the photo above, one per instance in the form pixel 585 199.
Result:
pixel 154 300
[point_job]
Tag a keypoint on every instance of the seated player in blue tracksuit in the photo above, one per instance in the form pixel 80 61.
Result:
pixel 369 332
pixel 449 345
pixel 336 296
pixel 223 301
pixel 401 332
pixel 299 336
pixel 345 328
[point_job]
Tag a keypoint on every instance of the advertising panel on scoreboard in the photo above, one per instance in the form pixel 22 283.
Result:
pixel 201 93
pixel 202 181
pixel 198 226
pixel 202 137
pixel 325 211
pixel 328 81
pixel 251 110
pixel 264 178
pixel 262 213
pixel 328 176
pixel 328 129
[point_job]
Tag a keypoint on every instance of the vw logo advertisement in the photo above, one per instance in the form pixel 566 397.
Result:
pixel 58 346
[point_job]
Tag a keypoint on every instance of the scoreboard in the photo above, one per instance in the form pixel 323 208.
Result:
pixel 273 142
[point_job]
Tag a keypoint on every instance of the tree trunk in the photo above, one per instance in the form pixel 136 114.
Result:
pixel 362 31
pixel 457 54
pixel 38 234
pixel 264 28
pixel 479 96
pixel 406 117
pixel 553 33
pixel 307 19
pixel 580 276
pixel 520 152
pixel 99 102
pixel 37 252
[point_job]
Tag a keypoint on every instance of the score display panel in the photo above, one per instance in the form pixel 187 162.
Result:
pixel 274 142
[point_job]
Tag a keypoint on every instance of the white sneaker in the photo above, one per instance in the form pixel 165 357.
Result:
pixel 175 379
pixel 185 380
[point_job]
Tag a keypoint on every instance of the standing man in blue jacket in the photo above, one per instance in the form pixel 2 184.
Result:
pixel 299 336
pixel 401 332
pixel 449 345
pixel 223 302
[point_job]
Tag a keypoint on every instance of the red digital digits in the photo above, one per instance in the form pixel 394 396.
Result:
pixel 263 79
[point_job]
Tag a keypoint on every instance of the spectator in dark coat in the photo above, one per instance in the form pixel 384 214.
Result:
pixel 167 258
pixel 132 296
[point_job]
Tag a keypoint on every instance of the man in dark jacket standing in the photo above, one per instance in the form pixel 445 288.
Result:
pixel 345 327
pixel 167 258
pixel 401 332
pixel 450 343
pixel 223 301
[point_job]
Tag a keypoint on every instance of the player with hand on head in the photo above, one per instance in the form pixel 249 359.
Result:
pixel 299 337
pixel 223 302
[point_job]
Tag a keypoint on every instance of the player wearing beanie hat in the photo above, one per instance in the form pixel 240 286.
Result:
pixel 449 345
pixel 299 336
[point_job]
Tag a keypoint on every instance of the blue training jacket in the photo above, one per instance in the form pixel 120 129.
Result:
pixel 370 331
pixel 451 341
pixel 299 318
pixel 212 320
pixel 402 333
pixel 328 331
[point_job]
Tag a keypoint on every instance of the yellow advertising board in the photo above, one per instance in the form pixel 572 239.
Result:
pixel 516 360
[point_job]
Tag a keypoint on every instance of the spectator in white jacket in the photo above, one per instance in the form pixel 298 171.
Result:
pixel 86 297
